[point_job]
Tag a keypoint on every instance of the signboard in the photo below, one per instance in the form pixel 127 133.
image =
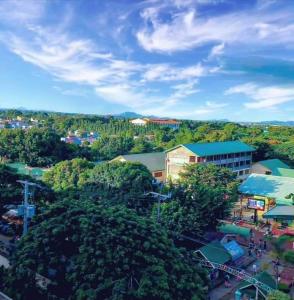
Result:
pixel 256 204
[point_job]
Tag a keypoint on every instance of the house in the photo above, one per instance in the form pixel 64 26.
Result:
pixel 139 122
pixel 155 162
pixel 234 155
pixel 272 167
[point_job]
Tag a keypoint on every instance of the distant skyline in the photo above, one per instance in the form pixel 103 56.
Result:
pixel 192 59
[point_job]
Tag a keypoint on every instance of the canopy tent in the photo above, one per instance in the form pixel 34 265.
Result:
pixel 281 212
pixel 234 229
pixel 235 250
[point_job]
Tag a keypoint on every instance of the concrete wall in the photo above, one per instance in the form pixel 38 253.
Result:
pixel 258 168
pixel 175 161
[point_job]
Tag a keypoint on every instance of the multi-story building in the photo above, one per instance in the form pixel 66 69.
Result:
pixel 173 124
pixel 234 155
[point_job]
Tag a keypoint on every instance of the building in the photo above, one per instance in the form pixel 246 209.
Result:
pixel 173 124
pixel 154 162
pixel 272 167
pixel 268 197
pixel 272 189
pixel 139 122
pixel 234 155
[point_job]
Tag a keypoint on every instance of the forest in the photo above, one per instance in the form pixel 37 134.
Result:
pixel 98 231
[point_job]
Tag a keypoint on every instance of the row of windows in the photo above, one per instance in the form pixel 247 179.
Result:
pixel 226 156
pixel 242 172
pixel 192 159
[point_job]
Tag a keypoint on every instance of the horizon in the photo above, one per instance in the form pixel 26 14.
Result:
pixel 191 59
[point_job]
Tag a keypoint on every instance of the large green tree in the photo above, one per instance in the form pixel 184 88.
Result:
pixel 204 194
pixel 95 252
pixel 68 174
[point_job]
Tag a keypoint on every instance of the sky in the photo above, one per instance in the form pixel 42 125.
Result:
pixel 190 59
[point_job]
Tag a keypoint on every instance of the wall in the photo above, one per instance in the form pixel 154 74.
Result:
pixel 257 168
pixel 175 161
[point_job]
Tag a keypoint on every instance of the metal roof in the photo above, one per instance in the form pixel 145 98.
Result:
pixel 154 161
pixel 276 187
pixel 284 172
pixel 285 212
pixel 215 252
pixel 234 229
pixel 206 149
pixel 273 164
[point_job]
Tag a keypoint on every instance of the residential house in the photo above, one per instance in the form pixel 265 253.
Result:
pixel 155 162
pixel 234 155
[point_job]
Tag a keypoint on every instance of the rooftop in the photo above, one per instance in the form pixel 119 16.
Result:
pixel 273 165
pixel 206 149
pixel 276 187
pixel 284 172
pixel 285 212
pixel 215 252
pixel 154 161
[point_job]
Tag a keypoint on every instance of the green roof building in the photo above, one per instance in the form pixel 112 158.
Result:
pixel 273 187
pixel 234 155
pixel 274 167
pixel 234 229
pixel 249 289
pixel 215 252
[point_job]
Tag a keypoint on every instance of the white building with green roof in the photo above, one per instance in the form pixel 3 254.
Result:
pixel 234 155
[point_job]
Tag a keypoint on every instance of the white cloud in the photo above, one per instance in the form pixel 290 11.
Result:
pixel 166 72
pixel 186 29
pixel 217 50
pixel 15 12
pixel 263 97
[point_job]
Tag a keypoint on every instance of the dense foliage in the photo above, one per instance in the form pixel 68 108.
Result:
pixel 68 174
pixel 204 195
pixel 93 252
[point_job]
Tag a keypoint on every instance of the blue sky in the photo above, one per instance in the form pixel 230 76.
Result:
pixel 193 59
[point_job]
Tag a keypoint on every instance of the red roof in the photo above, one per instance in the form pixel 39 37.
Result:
pixel 164 121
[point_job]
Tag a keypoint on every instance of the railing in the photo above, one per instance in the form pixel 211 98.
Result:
pixel 240 274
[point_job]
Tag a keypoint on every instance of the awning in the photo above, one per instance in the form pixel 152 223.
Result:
pixel 285 212
pixel 234 229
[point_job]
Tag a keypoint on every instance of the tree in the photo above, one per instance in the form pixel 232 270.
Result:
pixel 96 252
pixel 119 182
pixel 204 194
pixel 277 295
pixel 68 174
pixel 141 146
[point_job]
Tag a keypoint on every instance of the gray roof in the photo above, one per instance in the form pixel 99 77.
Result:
pixel 154 161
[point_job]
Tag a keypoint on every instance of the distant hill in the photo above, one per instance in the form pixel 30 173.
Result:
pixel 129 115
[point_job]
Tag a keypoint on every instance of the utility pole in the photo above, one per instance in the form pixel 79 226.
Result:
pixel 26 206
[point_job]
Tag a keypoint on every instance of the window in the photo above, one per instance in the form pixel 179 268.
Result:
pixel 236 164
pixel 158 174
pixel 242 163
pixel 192 159
pixel 247 171
pixel 248 162
pixel 241 173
